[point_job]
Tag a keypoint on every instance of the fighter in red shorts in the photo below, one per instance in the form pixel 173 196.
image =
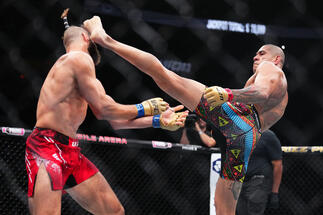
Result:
pixel 53 158
pixel 61 156
pixel 234 112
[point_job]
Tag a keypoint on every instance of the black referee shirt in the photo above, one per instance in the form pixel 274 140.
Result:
pixel 267 149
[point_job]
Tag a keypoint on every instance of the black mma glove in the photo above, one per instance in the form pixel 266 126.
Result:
pixel 273 201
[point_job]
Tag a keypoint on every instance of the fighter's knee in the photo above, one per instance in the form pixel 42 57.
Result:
pixel 121 210
pixel 118 210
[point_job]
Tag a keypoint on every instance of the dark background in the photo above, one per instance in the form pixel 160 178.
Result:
pixel 30 43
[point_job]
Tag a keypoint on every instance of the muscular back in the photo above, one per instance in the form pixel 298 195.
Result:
pixel 271 80
pixel 60 105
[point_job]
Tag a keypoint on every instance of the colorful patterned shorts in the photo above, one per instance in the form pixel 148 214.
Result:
pixel 240 126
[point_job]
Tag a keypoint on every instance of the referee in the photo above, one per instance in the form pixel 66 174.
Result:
pixel 264 173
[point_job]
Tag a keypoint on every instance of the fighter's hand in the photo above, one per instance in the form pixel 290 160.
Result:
pixel 172 120
pixel 216 96
pixel 95 28
pixel 154 106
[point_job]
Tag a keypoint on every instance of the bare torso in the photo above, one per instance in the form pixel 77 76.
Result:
pixel 274 107
pixel 60 105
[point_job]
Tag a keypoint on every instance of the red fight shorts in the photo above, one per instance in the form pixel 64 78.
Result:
pixel 65 164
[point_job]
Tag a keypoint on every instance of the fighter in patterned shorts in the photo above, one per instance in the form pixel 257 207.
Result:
pixel 231 111
pixel 240 126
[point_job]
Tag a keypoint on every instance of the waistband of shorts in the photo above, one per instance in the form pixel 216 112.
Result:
pixel 61 138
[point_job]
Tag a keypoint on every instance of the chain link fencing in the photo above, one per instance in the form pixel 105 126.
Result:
pixel 153 177
pixel 212 42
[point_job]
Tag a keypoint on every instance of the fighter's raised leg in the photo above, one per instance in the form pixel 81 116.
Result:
pixel 186 91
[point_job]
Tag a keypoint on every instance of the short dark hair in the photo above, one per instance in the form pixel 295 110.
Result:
pixel 71 33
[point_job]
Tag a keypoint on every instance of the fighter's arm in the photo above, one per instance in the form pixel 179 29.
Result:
pixel 169 120
pixel 186 91
pixel 268 78
pixel 102 105
pixel 258 89
pixel 143 122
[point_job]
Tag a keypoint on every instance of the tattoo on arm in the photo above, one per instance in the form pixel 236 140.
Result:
pixel 250 94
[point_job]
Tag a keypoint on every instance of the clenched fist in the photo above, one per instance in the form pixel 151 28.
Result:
pixel 96 30
pixel 216 96
pixel 154 106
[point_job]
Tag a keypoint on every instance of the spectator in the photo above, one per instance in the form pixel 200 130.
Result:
pixel 197 132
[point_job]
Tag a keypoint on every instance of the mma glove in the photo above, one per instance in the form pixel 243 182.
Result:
pixel 159 122
pixel 151 107
pixel 216 96
pixel 273 201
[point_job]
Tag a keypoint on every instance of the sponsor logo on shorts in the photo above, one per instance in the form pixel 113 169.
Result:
pixel 56 157
pixel 75 143
pixel 56 168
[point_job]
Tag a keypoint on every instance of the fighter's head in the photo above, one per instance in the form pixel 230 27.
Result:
pixel 269 53
pixel 80 38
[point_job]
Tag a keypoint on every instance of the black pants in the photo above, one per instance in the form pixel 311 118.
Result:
pixel 254 196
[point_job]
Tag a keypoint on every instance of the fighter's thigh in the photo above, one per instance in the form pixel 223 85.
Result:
pixel 186 91
pixel 45 200
pixel 96 196
pixel 226 195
